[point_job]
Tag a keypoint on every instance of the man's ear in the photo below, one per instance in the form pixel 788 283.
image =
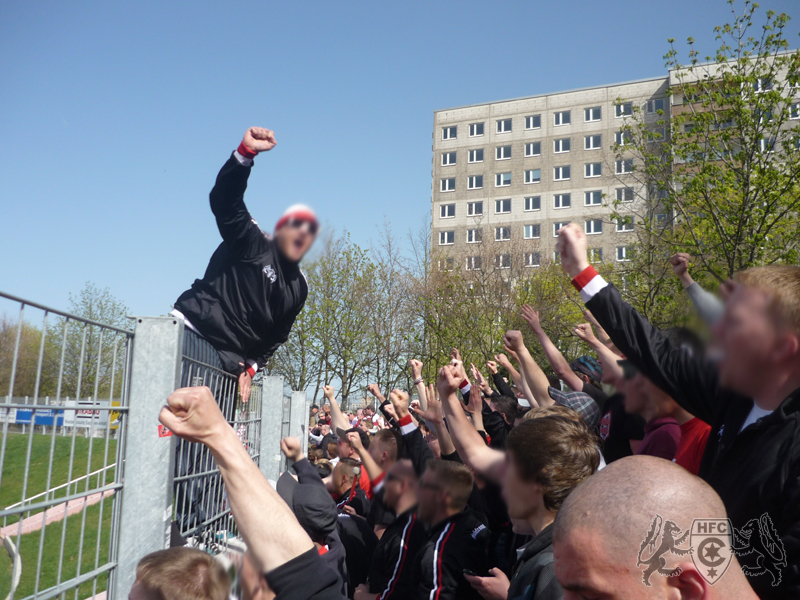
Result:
pixel 787 347
pixel 689 584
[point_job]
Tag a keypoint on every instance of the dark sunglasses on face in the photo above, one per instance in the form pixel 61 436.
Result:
pixel 629 370
pixel 299 223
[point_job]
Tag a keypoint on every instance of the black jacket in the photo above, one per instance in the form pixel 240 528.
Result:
pixel 291 581
pixel 458 543
pixel 393 560
pixel 249 297
pixel 755 471
pixel 534 576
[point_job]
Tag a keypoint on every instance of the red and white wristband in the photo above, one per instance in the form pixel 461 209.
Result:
pixel 406 424
pixel 252 368
pixel 589 283
pixel 465 387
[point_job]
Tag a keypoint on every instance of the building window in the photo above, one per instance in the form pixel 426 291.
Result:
pixel 653 106
pixel 447 238
pixel 593 169
pixel 767 144
pixel 622 138
pixel 448 264
pixel 593 142
pixel 474 209
pixel 624 166
pixel 794 111
pixel 450 133
pixel 563 200
pixel 476 156
pixel 561 173
pixel 447 211
pixel 533 259
pixel 623 254
pixel 503 261
pixel 561 145
pixel 502 207
pixel 503 125
pixel 502 234
pixel 559 225
pixel 533 232
pixel 533 122
pixel 533 203
pixel 561 118
pixel 593 227
pixel 448 185
pixel 533 175
pixel 625 224
pixel 448 158
pixel 502 179
pixel 623 109
pixel 595 255
pixel 474 236
pixel 624 194
pixel 592 114
pixel 556 256
pixel 762 84
pixel 533 149
pixel 475 129
pixel 593 198
pixel 502 153
pixel 474 263
pixel 475 182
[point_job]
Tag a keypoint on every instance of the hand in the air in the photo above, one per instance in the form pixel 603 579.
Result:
pixel 292 448
pixel 584 331
pixel 531 317
pixel 193 414
pixel 513 340
pixel 416 368
pixel 399 400
pixel 680 263
pixel 571 246
pixel 329 392
pixel 259 139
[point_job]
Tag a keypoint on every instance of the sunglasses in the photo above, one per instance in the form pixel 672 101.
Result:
pixel 312 226
pixel 629 370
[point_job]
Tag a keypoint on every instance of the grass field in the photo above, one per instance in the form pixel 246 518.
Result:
pixel 11 492
pixel 14 467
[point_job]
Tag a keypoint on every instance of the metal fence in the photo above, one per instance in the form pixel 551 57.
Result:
pixel 89 480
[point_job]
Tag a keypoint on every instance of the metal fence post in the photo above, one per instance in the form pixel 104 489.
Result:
pixel 271 421
pixel 146 499
pixel 298 420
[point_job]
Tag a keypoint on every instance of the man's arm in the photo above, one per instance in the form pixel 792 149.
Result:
pixel 691 382
pixel 707 305
pixel 536 378
pixel 467 440
pixel 557 361
pixel 419 382
pixel 337 416
pixel 515 376
pixel 241 234
pixel 435 416
pixel 374 472
pixel 607 357
pixel 414 444
pixel 193 414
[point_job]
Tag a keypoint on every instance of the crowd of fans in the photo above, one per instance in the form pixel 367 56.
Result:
pixel 515 480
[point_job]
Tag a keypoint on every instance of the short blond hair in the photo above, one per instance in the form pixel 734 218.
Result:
pixel 539 412
pixel 182 574
pixel 782 283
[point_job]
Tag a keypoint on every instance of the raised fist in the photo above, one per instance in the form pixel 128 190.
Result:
pixel 513 340
pixel 584 331
pixel 193 414
pixel 680 263
pixel 399 400
pixel 292 448
pixel 375 390
pixel 355 441
pixel 416 368
pixel 259 139
pixel 571 246
pixel 492 366
pixel 329 392
pixel 449 380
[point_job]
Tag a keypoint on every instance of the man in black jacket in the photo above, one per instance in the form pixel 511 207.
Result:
pixel 253 289
pixel 458 541
pixel 750 397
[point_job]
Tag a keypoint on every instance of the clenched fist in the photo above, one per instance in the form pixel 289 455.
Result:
pixel 572 247
pixel 292 448
pixel 193 414
pixel 513 340
pixel 259 139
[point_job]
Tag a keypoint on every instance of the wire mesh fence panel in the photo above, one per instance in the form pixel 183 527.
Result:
pixel 201 512
pixel 65 381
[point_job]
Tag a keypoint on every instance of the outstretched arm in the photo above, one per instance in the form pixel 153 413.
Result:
pixel 607 357
pixel 337 416
pixel 557 361
pixel 534 375
pixel 473 451
pixel 419 382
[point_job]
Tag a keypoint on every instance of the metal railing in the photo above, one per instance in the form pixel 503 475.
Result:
pixel 93 485
pixel 45 352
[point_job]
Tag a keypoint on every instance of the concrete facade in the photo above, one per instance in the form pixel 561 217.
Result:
pixel 552 154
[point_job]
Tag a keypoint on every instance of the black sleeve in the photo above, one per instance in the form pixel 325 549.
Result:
pixel 306 473
pixel 453 457
pixel 417 450
pixel 242 235
pixel 502 385
pixel 691 382
pixel 494 425
pixel 281 334
pixel 291 581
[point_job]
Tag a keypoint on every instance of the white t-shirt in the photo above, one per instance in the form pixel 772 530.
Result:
pixel 755 414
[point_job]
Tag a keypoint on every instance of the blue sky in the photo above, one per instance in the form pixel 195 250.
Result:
pixel 114 119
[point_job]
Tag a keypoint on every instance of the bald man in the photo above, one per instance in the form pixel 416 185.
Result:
pixel 602 526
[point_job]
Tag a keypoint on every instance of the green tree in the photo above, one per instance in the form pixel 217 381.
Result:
pixel 716 168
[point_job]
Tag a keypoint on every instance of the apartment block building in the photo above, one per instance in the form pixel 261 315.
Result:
pixel 517 170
